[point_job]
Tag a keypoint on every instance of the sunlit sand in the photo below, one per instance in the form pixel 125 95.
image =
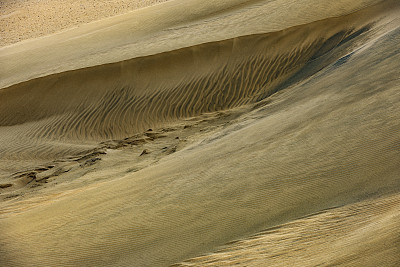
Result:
pixel 201 133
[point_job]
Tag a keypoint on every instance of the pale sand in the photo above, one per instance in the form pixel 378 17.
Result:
pixel 26 19
pixel 84 182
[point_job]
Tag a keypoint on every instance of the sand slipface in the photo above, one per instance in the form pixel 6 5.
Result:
pixel 165 135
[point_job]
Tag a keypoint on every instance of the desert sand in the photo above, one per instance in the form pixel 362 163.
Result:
pixel 202 133
pixel 26 19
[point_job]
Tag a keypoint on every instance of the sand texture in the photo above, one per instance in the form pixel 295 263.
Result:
pixel 203 133
pixel 26 19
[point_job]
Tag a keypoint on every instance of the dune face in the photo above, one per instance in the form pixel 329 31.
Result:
pixel 116 100
pixel 362 234
pixel 140 33
pixel 292 126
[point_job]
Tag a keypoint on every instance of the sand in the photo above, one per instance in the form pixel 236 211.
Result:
pixel 361 234
pixel 269 124
pixel 27 19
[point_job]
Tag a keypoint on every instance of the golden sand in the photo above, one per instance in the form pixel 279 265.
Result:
pixel 205 133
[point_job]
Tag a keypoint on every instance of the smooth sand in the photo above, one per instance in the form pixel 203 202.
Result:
pixel 255 123
pixel 27 19
pixel 361 234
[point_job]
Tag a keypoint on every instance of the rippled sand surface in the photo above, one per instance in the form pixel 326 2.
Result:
pixel 202 133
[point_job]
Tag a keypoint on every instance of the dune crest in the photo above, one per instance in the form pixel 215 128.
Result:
pixel 185 23
pixel 117 100
pixel 362 234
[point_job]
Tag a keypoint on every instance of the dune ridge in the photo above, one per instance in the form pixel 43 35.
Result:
pixel 116 100
pixel 138 33
pixel 336 236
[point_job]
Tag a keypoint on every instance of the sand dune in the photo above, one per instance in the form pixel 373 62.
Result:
pixel 182 83
pixel 116 100
pixel 362 234
pixel 252 127
pixel 140 33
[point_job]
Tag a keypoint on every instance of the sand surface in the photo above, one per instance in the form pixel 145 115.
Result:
pixel 361 234
pixel 27 19
pixel 202 133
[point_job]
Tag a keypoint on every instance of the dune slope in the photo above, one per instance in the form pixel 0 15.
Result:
pixel 314 127
pixel 116 100
pixel 362 234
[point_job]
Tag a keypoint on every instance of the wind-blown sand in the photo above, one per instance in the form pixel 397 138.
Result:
pixel 262 114
pixel 362 234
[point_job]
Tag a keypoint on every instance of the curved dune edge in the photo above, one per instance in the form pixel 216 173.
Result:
pixel 363 234
pixel 139 33
pixel 117 100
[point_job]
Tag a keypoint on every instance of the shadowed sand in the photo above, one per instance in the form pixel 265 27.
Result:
pixel 252 127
